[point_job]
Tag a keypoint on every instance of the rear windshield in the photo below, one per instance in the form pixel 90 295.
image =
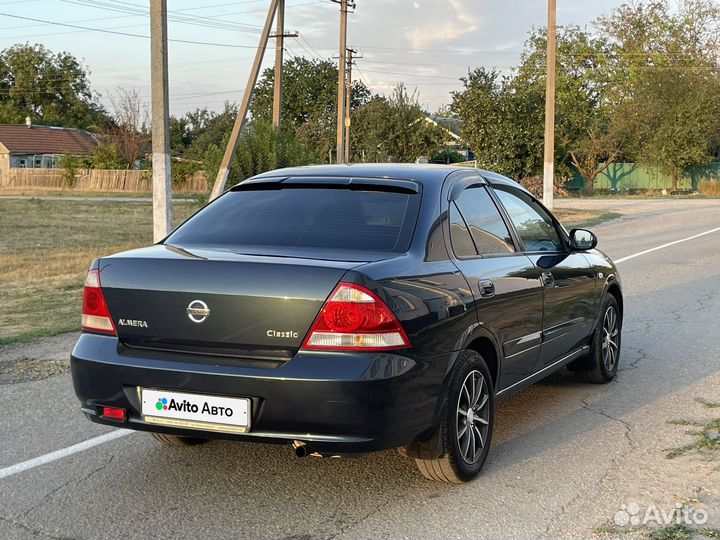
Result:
pixel 305 218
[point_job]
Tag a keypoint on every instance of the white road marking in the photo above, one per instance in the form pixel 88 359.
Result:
pixel 617 261
pixel 75 448
pixel 64 452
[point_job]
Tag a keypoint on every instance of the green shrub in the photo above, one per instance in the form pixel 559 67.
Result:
pixel 108 156
pixel 70 163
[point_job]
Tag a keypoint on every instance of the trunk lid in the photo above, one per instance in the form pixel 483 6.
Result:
pixel 240 305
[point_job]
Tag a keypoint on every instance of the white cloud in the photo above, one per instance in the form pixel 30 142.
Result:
pixel 458 22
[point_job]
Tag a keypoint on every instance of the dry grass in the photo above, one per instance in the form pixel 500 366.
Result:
pixel 45 249
pixel 709 187
pixel 572 217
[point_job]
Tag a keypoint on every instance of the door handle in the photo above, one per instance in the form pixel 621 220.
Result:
pixel 547 279
pixel 487 288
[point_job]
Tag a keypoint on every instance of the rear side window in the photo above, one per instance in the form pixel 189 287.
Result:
pixel 305 218
pixel 488 230
pixel 462 242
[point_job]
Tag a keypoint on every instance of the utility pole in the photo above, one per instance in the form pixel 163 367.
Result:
pixel 345 5
pixel 279 44
pixel 348 102
pixel 161 163
pixel 549 168
pixel 244 106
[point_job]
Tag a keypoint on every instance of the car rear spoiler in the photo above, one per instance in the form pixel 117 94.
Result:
pixel 397 185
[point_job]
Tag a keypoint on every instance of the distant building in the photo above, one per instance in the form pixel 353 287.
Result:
pixel 453 128
pixel 39 147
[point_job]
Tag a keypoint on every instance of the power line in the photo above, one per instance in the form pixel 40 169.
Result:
pixel 129 34
pixel 319 56
pixel 209 22
pixel 413 74
pixel 194 20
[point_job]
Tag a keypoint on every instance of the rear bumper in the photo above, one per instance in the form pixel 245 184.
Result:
pixel 333 402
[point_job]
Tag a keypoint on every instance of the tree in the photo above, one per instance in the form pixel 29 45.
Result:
pixel 593 153
pixel 584 132
pixel 505 116
pixel 261 148
pixel 205 129
pixel 309 102
pixel 667 82
pixel 185 130
pixel 501 123
pixel 108 156
pixel 394 129
pixel 128 131
pixel 51 88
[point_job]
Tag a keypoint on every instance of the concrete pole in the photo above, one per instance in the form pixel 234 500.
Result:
pixel 279 45
pixel 161 163
pixel 348 102
pixel 341 83
pixel 229 156
pixel 549 167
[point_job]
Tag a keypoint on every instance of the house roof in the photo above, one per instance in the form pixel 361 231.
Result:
pixel 452 125
pixel 46 140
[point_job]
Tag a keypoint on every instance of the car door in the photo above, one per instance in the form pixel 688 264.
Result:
pixel 504 282
pixel 569 282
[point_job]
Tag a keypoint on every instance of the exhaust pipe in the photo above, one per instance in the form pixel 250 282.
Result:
pixel 300 448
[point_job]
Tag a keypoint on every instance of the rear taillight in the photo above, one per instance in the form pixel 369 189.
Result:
pixel 355 319
pixel 95 313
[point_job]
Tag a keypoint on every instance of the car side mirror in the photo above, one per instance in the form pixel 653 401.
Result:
pixel 582 239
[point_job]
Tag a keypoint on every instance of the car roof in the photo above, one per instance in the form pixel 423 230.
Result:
pixel 425 174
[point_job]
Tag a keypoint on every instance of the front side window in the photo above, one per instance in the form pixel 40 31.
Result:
pixel 487 228
pixel 533 224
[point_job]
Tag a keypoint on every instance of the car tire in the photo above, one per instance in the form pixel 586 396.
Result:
pixel 464 438
pixel 176 440
pixel 600 366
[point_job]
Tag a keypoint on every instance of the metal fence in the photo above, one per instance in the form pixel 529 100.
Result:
pixel 626 176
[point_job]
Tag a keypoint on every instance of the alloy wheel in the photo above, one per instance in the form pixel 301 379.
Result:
pixel 473 416
pixel 610 339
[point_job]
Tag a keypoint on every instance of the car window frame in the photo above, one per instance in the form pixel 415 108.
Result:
pixel 452 204
pixel 503 216
pixel 559 229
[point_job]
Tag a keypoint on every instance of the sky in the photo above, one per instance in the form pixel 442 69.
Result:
pixel 427 44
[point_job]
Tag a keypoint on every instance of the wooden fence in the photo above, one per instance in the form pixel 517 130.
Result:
pixel 132 181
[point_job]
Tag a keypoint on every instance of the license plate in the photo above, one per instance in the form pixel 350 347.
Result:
pixel 195 411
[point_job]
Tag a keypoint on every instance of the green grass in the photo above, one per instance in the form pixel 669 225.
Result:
pixel 671 532
pixel 706 439
pixel 46 248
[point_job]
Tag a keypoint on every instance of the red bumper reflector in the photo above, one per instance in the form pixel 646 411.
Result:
pixel 114 413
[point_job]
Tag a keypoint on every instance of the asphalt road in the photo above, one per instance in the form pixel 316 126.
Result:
pixel 565 456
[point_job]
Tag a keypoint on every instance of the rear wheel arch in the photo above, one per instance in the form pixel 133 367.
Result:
pixel 481 341
pixel 488 350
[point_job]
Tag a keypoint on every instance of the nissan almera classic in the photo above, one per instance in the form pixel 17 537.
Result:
pixel 345 310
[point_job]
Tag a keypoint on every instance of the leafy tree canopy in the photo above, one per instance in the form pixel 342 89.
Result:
pixel 51 88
